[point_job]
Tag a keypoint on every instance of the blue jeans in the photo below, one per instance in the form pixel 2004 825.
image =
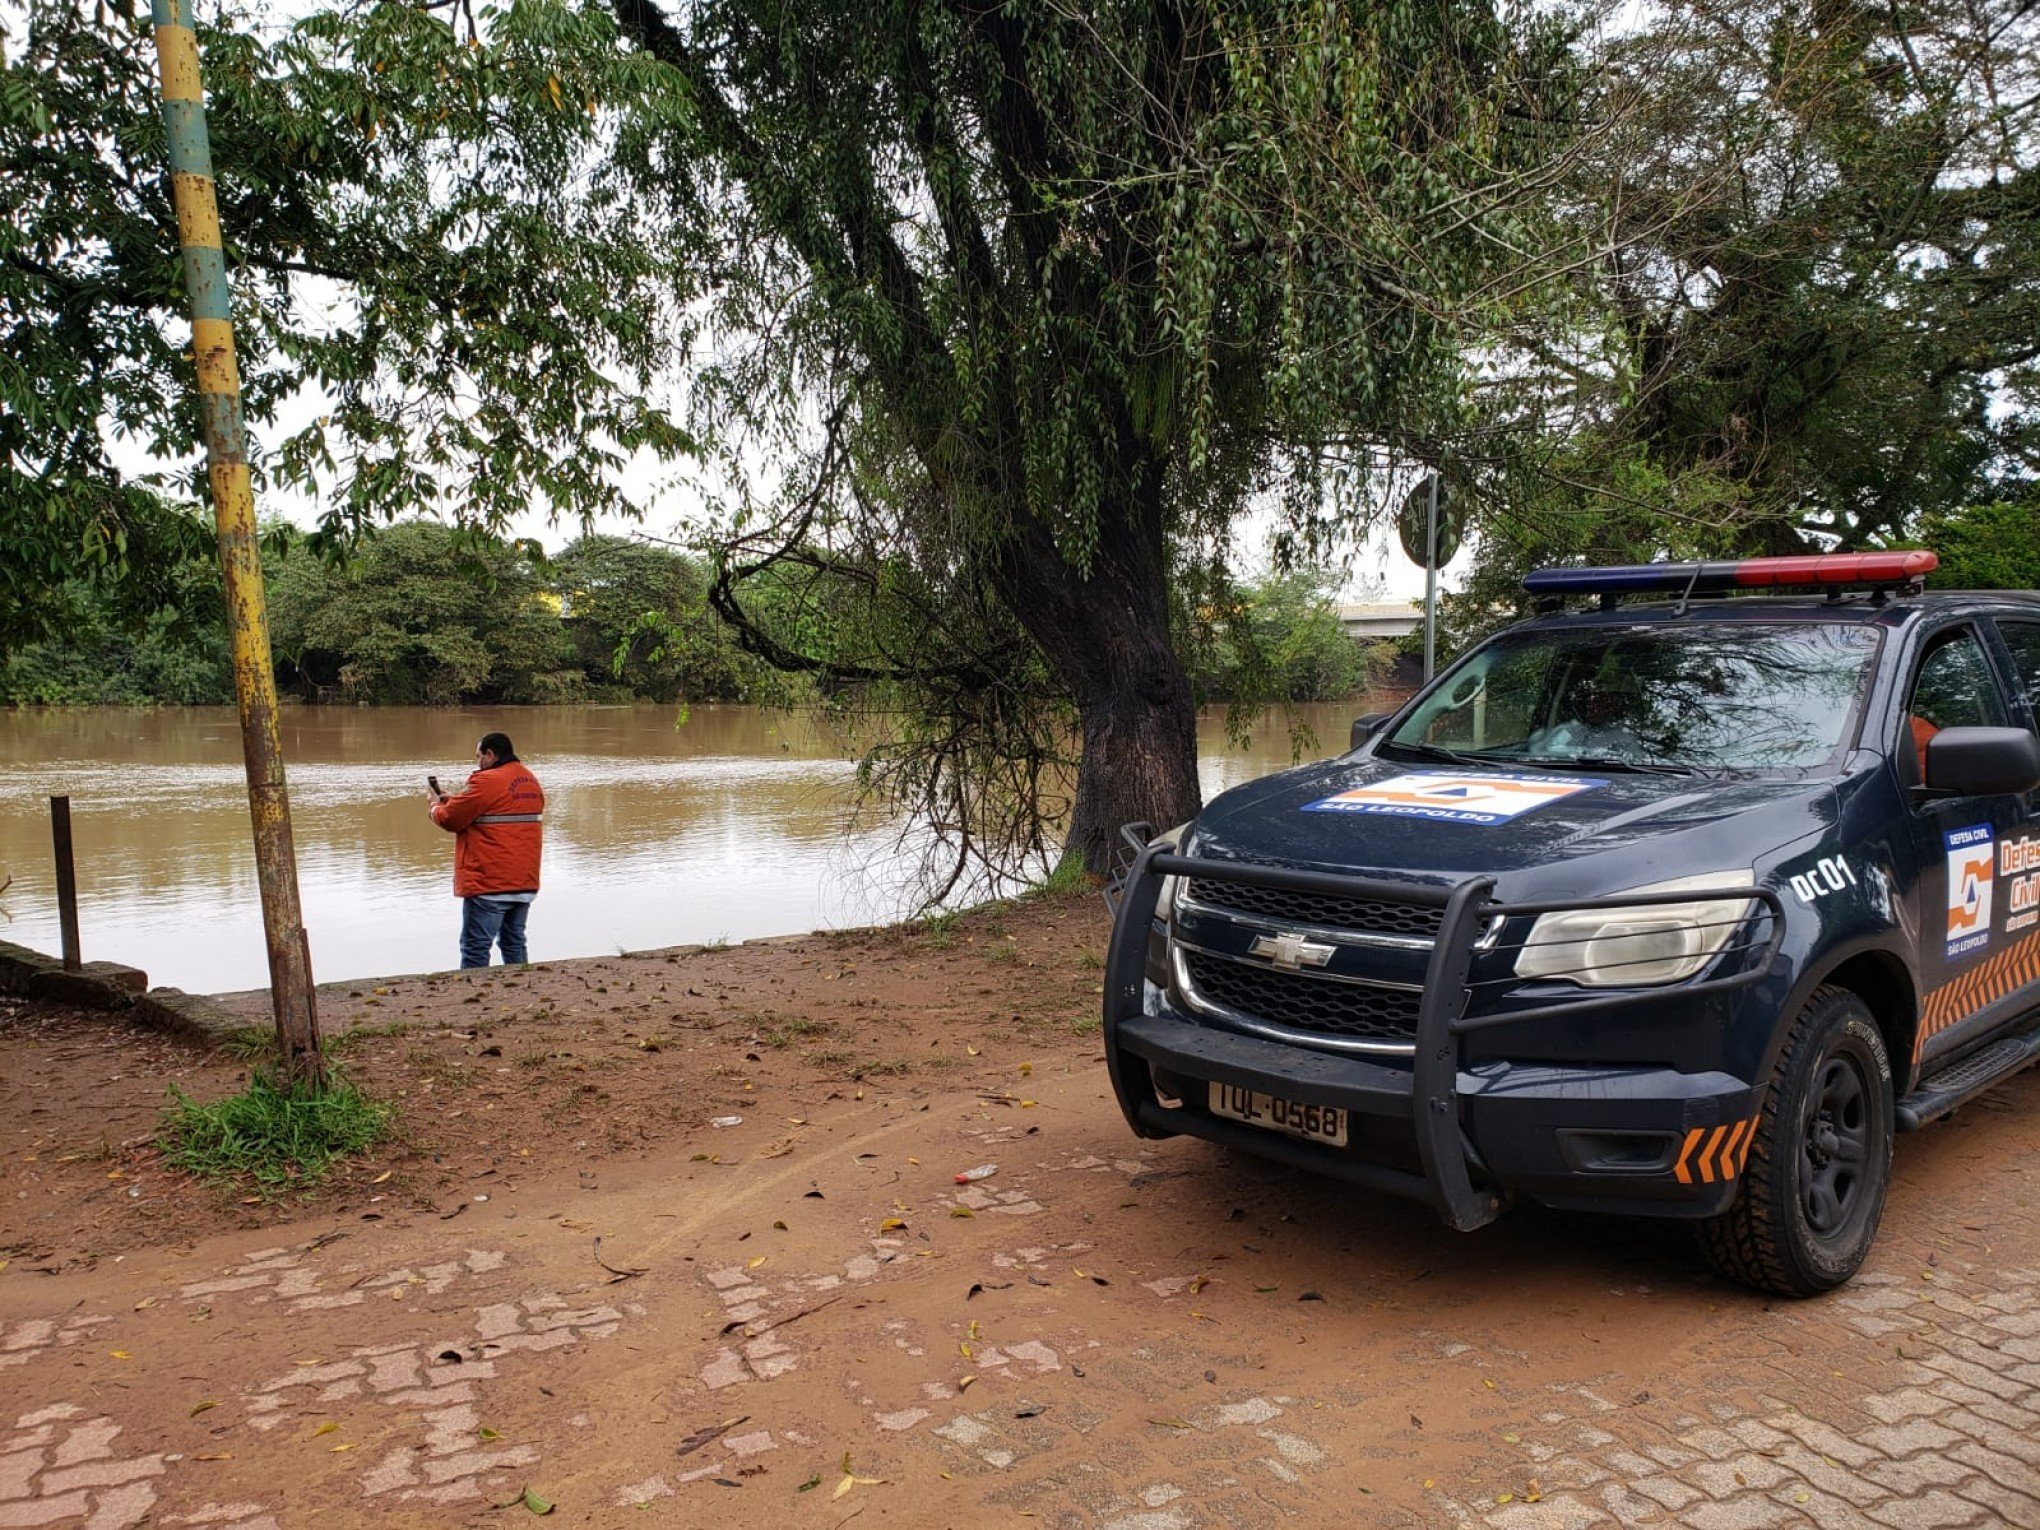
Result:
pixel 484 923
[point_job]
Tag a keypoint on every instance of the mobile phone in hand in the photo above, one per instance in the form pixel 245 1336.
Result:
pixel 432 783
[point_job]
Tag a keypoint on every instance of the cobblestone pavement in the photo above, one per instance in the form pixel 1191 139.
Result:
pixel 1107 1335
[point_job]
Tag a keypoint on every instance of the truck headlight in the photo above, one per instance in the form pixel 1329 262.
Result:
pixel 1641 945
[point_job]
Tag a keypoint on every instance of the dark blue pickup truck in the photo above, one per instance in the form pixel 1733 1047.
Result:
pixel 1672 907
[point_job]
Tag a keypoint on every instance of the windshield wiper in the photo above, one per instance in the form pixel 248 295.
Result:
pixel 1610 762
pixel 1440 752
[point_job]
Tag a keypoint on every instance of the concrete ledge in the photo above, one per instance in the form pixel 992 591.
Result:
pixel 115 989
pixel 95 985
pixel 19 967
pixel 190 1015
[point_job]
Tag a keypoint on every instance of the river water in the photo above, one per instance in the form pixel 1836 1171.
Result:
pixel 734 824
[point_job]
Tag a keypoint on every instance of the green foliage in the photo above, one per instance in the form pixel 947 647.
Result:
pixel 108 648
pixel 1812 324
pixel 421 614
pixel 421 226
pixel 1277 639
pixel 639 621
pixel 274 1136
pixel 1986 547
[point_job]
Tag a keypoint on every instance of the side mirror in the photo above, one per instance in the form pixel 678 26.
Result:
pixel 1983 762
pixel 1365 728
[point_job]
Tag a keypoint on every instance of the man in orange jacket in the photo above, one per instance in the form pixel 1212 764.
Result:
pixel 497 836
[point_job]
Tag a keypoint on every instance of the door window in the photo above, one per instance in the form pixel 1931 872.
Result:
pixel 1954 688
pixel 2023 638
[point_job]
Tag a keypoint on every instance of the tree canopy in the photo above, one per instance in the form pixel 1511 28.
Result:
pixel 1814 318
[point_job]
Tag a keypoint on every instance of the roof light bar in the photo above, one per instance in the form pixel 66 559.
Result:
pixel 1822 570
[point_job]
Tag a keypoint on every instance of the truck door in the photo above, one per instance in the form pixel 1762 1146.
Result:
pixel 1972 964
pixel 2018 867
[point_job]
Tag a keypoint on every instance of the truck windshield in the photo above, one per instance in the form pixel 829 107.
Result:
pixel 1698 696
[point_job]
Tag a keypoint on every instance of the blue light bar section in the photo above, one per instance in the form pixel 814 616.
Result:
pixel 1631 579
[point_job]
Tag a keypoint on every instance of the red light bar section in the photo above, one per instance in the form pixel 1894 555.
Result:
pixel 1835 568
pixel 1823 570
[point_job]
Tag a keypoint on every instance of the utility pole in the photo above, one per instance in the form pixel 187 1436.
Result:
pixel 1431 578
pixel 226 453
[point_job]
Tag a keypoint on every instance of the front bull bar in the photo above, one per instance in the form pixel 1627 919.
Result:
pixel 1443 1150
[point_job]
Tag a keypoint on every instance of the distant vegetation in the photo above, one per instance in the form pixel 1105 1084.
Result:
pixel 422 614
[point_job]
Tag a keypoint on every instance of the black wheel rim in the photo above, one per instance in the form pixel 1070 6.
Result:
pixel 1835 1144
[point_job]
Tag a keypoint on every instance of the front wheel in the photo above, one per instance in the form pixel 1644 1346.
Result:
pixel 1813 1193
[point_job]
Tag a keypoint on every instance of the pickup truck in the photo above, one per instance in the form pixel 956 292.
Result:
pixel 1678 902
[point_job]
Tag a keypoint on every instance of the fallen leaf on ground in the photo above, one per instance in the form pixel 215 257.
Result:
pixel 708 1433
pixel 198 1408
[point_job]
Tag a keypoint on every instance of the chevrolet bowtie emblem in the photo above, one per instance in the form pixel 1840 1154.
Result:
pixel 1291 950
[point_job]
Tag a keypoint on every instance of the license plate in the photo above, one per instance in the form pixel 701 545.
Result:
pixel 1313 1123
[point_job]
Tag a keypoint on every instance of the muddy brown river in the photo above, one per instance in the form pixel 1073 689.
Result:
pixel 735 823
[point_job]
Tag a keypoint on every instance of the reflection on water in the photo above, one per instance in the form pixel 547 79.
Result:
pixel 734 825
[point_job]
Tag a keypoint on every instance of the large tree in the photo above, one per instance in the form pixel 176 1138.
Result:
pixel 1032 300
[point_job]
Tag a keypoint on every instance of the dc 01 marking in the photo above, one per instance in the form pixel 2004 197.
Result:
pixel 1830 874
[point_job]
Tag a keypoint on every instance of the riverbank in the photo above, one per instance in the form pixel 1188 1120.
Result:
pixel 512 1074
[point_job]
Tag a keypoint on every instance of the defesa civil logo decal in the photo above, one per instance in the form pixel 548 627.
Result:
pixel 1446 796
pixel 1971 865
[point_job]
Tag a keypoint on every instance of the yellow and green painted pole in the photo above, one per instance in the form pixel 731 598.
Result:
pixel 226 452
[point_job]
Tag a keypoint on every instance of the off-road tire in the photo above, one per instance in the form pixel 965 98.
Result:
pixel 1812 1191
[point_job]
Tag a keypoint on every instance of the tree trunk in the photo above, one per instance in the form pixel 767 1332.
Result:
pixel 1140 749
pixel 1107 635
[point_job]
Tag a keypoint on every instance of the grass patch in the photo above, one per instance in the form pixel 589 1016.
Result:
pixel 1068 877
pixel 354 1036
pixel 276 1136
pixel 249 1043
pixel 788 1032
pixel 941 928
pixel 882 1070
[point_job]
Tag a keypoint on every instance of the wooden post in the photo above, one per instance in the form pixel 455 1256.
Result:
pixel 219 401
pixel 67 880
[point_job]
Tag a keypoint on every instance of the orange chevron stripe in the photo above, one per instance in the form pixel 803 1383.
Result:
pixel 1707 1155
pixel 1679 1169
pixel 2005 973
pixel 1728 1161
pixel 1744 1157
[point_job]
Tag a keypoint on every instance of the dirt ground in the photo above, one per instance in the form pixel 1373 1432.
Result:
pixel 565 1065
pixel 565 1276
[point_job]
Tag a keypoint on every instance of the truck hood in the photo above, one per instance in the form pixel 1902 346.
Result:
pixel 1538 831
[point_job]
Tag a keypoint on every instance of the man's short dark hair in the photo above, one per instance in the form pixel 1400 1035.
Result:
pixel 498 744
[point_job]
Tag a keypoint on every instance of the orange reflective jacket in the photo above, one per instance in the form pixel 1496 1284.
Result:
pixel 496 829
